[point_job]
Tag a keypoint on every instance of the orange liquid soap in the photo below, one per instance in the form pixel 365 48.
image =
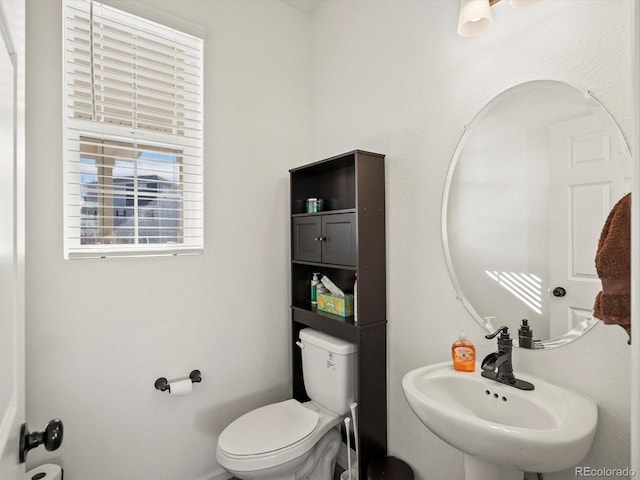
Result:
pixel 463 353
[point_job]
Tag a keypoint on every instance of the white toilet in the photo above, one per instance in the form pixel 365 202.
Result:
pixel 291 440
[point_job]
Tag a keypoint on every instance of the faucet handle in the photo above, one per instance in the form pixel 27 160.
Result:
pixel 503 329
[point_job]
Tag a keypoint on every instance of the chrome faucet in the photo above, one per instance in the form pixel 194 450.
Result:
pixel 497 366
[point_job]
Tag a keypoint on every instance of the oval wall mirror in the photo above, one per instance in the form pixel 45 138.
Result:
pixel 528 190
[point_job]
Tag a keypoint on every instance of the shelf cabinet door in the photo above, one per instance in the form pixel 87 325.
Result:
pixel 339 239
pixel 306 234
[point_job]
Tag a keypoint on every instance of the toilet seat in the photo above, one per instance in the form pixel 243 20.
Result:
pixel 268 429
pixel 231 438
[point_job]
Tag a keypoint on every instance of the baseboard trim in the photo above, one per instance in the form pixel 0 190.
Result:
pixel 220 474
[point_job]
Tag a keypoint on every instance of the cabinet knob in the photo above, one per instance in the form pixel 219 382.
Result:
pixel 320 239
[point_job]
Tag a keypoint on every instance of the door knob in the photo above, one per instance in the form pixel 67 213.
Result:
pixel 559 292
pixel 51 438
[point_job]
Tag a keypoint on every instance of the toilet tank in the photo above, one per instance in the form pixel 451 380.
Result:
pixel 328 368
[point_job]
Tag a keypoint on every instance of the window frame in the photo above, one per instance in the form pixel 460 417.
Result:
pixel 75 129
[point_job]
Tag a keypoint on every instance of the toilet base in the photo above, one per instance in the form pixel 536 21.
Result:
pixel 318 464
pixel 322 462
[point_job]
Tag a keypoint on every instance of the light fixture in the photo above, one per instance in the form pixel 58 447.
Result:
pixel 475 15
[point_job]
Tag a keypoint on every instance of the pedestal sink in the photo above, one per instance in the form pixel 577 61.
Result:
pixel 502 431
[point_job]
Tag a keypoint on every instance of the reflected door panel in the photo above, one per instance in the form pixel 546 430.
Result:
pixel 586 179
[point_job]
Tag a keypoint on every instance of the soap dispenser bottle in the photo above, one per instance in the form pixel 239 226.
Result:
pixel 314 289
pixel 525 335
pixel 463 353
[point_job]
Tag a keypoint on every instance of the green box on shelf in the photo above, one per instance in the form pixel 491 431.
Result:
pixel 342 306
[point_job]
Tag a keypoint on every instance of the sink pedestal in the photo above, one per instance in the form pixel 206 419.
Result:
pixel 477 469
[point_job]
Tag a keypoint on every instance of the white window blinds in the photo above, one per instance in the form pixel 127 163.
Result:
pixel 133 135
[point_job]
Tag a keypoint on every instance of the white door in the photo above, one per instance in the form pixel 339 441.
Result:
pixel 590 170
pixel 11 236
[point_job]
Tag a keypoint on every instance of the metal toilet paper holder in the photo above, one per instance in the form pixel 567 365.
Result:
pixel 163 384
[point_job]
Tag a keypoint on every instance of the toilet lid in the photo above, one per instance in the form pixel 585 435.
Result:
pixel 268 428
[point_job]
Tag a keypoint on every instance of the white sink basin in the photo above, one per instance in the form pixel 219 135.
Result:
pixel 547 429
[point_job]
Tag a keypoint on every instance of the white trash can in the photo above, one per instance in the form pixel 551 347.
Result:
pixel 354 473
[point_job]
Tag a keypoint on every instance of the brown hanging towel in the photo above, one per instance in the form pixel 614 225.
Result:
pixel 613 264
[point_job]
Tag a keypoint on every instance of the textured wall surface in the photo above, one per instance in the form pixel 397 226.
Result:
pixel 393 77
pixel 101 332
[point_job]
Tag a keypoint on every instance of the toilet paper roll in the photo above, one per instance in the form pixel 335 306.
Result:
pixel 48 471
pixel 181 387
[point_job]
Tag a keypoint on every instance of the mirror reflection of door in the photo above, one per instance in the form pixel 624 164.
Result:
pixel 527 193
pixel 587 177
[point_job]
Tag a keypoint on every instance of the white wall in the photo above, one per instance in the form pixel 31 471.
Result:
pixel 99 332
pixel 393 77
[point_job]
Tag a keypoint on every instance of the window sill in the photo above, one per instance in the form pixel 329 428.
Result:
pixel 102 252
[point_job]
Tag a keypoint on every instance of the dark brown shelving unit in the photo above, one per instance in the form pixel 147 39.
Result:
pixel 351 227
